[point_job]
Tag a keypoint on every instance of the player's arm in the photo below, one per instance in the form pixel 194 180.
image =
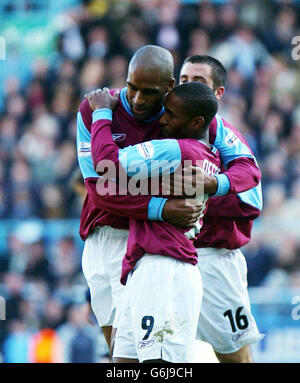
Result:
pixel 242 172
pixel 146 208
pixel 244 205
pixel 244 195
pixel 232 206
pixel 148 159
pixel 132 206
pixel 237 191
pixel 137 207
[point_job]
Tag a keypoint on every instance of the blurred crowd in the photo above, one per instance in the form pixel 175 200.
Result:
pixel 38 154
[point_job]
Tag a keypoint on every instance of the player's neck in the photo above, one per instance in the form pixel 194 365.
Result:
pixel 203 136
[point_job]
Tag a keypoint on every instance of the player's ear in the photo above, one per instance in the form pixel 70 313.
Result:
pixel 198 123
pixel 219 92
pixel 171 84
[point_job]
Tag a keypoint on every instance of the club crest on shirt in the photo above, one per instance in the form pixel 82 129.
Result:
pixel 231 139
pixel 119 137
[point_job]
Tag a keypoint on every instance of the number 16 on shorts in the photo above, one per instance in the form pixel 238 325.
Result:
pixel 237 320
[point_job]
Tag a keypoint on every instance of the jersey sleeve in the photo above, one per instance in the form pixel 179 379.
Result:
pixel 137 207
pixel 147 159
pixel 84 154
pixel 143 207
pixel 235 207
pixel 237 159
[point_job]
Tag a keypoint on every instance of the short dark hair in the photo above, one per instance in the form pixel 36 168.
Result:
pixel 198 100
pixel 218 72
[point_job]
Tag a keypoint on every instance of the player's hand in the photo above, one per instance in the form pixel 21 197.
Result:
pixel 202 178
pixel 192 182
pixel 99 99
pixel 183 213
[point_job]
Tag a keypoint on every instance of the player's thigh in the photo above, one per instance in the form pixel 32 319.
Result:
pixel 93 263
pixel 119 239
pixel 226 321
pixel 102 260
pixel 165 299
pixel 124 345
pixel 95 270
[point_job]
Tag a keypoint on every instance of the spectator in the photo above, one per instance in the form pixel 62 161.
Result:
pixel 45 347
pixel 16 344
pixel 83 342
pixel 37 265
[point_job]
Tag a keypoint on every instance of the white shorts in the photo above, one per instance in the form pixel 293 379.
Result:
pixel 225 320
pixel 102 257
pixel 162 301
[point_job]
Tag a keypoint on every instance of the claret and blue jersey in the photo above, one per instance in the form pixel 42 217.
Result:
pixel 151 159
pixel 111 210
pixel 115 210
pixel 232 215
pixel 232 146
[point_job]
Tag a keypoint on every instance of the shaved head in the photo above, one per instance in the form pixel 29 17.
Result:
pixel 150 78
pixel 153 58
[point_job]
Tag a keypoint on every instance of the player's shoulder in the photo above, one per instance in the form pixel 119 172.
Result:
pixel 227 134
pixel 85 112
pixel 226 124
pixel 219 123
pixel 231 132
pixel 223 124
pixel 221 128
